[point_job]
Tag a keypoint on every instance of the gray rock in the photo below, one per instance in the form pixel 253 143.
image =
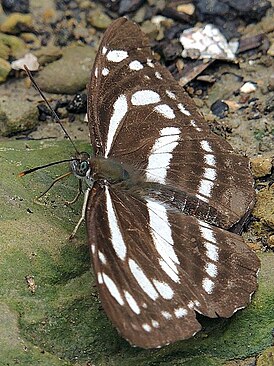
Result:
pixel 70 74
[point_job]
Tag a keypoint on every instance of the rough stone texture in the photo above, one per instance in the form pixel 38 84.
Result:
pixel 73 71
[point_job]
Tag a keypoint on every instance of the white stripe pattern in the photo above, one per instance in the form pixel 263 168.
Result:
pixel 161 233
pixel 165 110
pixel 142 280
pixel 164 289
pixel 117 240
pixel 212 253
pixel 207 182
pixel 132 303
pixel 119 111
pixel 161 154
pixel 113 289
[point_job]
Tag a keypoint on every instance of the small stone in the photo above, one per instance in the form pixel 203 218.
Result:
pixel 271 241
pixel 261 166
pixel 98 19
pixel 219 108
pixel 70 74
pixel 15 6
pixel 270 51
pixel 264 207
pixel 11 46
pixel 78 104
pixel 248 87
pixel 128 6
pixel 17 115
pixel 188 9
pixel 48 54
pixel 29 60
pixel 233 106
pixel 4 70
pixel 17 23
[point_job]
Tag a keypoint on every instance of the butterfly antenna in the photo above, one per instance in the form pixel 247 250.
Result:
pixel 25 172
pixel 54 114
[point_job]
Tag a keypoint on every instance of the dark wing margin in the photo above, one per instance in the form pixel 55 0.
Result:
pixel 155 268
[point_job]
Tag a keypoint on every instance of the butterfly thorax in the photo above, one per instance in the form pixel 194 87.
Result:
pixel 91 169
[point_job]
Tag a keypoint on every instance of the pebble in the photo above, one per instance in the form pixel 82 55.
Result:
pixel 48 54
pixel 17 117
pixel 11 46
pixel 70 74
pixel 29 60
pixel 248 87
pixel 15 6
pixel 219 108
pixel 17 23
pixel 261 166
pixel 188 9
pixel 264 208
pixel 4 69
pixel 98 19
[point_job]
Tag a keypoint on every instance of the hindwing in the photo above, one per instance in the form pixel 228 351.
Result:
pixel 155 267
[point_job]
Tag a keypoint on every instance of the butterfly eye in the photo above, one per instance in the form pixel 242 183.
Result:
pixel 83 168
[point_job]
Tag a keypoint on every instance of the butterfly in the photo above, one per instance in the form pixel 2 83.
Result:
pixel 164 202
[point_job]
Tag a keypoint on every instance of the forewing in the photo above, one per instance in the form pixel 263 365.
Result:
pixel 156 267
pixel 140 116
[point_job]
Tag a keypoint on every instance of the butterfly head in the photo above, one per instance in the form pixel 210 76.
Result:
pixel 80 167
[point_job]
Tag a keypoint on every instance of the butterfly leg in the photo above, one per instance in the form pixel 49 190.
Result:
pixel 72 235
pixel 80 190
pixel 53 183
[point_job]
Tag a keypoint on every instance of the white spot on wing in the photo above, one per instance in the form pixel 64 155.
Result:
pixel 162 236
pixel 105 71
pixel 161 154
pixel 211 269
pixel 155 324
pixel 104 50
pixel 146 327
pixel 102 257
pixel 170 94
pixel 166 314
pixel 210 173
pixel 207 234
pixel 96 72
pixel 119 111
pixel 144 97
pixel 99 278
pixel 142 280
pixel 180 312
pixel 158 75
pixel 212 251
pixel 205 187
pixel 164 289
pixel 208 285
pixel 150 63
pixel 183 109
pixel 165 111
pixel 210 159
pixel 113 289
pixel 135 65
pixel 132 303
pixel 206 147
pixel 116 236
pixel 117 55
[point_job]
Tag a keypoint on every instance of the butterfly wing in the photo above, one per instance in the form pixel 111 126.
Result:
pixel 140 115
pixel 156 267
